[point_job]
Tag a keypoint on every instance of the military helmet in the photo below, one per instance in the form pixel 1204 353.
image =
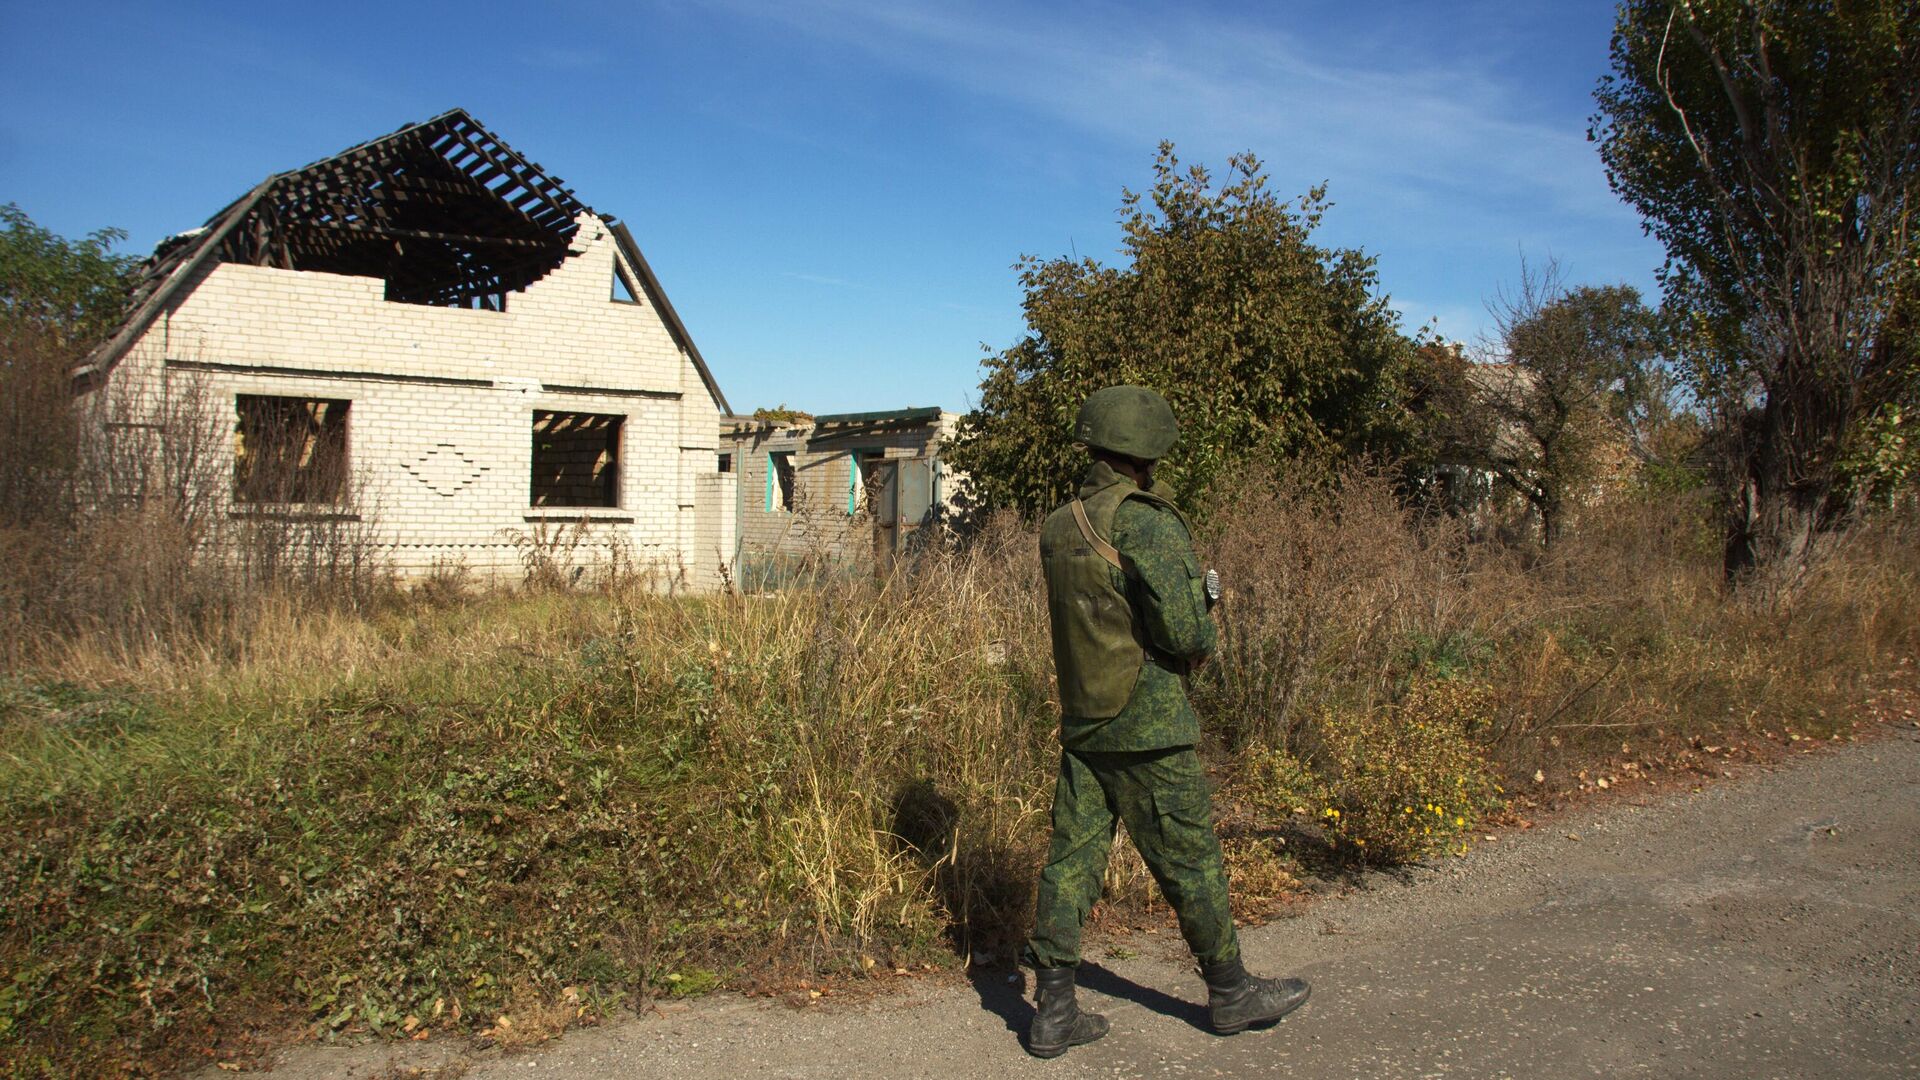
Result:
pixel 1130 420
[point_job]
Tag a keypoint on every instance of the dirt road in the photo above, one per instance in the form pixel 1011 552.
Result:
pixel 1768 926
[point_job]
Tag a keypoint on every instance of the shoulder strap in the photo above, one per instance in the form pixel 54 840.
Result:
pixel 1097 542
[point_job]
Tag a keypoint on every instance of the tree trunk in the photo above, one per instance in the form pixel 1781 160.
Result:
pixel 1786 483
pixel 1551 520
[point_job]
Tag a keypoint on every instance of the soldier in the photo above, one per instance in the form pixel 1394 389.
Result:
pixel 1129 607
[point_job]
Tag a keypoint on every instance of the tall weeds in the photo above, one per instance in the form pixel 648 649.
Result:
pixel 442 807
pixel 144 544
pixel 1344 606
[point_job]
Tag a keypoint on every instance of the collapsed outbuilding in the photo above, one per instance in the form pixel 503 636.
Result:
pixel 851 489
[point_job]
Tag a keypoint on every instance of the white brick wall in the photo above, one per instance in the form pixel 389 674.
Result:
pixel 440 426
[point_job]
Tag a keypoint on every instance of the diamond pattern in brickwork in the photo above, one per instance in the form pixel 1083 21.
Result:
pixel 444 470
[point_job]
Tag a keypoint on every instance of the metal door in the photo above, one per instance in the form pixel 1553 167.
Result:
pixel 900 491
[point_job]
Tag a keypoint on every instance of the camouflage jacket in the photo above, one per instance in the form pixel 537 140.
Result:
pixel 1169 603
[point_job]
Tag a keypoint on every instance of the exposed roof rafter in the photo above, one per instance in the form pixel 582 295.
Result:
pixel 444 211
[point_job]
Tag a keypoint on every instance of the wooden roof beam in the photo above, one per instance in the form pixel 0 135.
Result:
pixel 428 234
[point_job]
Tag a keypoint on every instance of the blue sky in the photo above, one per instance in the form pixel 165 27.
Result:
pixel 833 192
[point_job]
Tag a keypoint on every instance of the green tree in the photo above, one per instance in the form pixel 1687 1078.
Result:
pixel 58 299
pixel 1882 459
pixel 1266 344
pixel 1571 375
pixel 68 292
pixel 1773 146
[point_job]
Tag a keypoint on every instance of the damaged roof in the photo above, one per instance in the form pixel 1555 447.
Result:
pixel 443 210
pixel 909 415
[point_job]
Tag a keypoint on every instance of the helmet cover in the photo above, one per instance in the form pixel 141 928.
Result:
pixel 1130 420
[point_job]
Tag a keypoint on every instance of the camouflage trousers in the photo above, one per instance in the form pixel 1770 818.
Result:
pixel 1163 797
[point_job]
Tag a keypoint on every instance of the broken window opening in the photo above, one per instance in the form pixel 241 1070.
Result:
pixel 624 291
pixel 726 463
pixel 289 450
pixel 871 475
pixel 576 459
pixel 780 480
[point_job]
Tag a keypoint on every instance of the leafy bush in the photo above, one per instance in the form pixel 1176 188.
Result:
pixel 1405 781
pixel 1325 584
pixel 1389 785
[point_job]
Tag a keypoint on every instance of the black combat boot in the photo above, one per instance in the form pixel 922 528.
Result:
pixel 1057 1020
pixel 1239 1000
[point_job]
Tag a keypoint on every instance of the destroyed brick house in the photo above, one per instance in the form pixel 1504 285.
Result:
pixel 431 328
pixel 848 489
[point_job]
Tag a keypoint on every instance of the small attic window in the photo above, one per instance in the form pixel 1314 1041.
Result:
pixel 623 290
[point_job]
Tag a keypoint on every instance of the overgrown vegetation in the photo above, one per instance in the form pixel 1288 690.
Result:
pixel 1774 149
pixel 1571 390
pixel 500 813
pixel 1265 342
pixel 58 297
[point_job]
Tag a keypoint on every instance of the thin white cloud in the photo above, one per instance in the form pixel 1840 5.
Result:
pixel 1370 122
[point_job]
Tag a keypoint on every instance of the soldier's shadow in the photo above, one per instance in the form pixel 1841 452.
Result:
pixel 1008 998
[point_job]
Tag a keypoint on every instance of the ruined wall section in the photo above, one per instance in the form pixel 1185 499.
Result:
pixel 442 402
pixel 818 525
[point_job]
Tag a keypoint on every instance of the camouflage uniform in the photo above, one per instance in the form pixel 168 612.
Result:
pixel 1139 766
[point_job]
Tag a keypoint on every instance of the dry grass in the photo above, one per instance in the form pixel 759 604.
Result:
pixel 345 817
pixel 450 806
pixel 1348 611
pixel 137 546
